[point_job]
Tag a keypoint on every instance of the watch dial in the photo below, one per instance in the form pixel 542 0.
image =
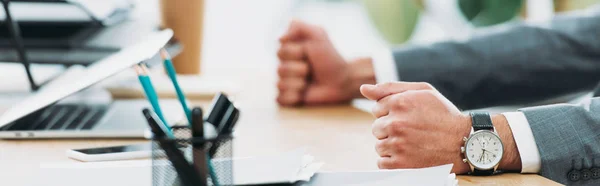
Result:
pixel 484 149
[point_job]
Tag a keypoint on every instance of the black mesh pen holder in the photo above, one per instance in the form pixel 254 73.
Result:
pixel 220 151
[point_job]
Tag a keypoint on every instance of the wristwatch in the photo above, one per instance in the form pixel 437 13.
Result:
pixel 483 149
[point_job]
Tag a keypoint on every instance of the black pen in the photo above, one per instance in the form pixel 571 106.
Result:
pixel 199 155
pixel 188 175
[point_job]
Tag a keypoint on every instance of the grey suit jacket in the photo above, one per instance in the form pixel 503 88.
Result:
pixel 524 63
pixel 510 64
pixel 568 140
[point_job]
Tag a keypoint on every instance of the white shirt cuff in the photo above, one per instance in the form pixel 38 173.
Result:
pixel 384 66
pixel 530 156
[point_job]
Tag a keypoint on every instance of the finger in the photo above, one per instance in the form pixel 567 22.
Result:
pixel 299 29
pixel 289 98
pixel 379 128
pixel 293 68
pixel 386 163
pixel 383 148
pixel 382 107
pixel 291 84
pixel 376 92
pixel 319 95
pixel 294 31
pixel 291 51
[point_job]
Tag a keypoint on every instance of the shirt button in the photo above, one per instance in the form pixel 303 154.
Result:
pixel 574 175
pixel 595 173
pixel 586 174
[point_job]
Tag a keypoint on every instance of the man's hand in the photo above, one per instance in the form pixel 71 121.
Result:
pixel 418 127
pixel 312 72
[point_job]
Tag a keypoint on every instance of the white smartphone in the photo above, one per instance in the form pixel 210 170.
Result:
pixel 136 151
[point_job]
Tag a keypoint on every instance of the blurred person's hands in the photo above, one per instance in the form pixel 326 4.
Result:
pixel 418 127
pixel 312 72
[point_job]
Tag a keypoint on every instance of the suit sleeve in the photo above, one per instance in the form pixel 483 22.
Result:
pixel 510 64
pixel 568 138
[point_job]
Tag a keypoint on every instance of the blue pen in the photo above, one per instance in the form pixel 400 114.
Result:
pixel 150 93
pixel 173 76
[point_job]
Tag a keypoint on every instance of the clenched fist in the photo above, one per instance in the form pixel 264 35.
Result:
pixel 312 72
pixel 417 127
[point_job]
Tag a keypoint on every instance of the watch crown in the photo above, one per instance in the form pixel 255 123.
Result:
pixel 465 160
pixel 465 139
pixel 462 149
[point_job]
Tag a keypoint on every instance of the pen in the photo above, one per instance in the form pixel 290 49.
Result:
pixel 188 175
pixel 159 130
pixel 199 156
pixel 173 76
pixel 142 72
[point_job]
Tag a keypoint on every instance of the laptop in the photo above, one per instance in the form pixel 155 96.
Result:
pixel 45 114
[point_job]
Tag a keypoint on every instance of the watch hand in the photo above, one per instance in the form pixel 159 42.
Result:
pixel 489 152
pixel 480 157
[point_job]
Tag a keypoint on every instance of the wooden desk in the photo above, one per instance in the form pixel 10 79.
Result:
pixel 340 136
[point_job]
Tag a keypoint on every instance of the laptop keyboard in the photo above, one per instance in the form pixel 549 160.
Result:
pixel 63 117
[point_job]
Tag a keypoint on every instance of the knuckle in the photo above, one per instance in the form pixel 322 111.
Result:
pixel 379 146
pixel 281 86
pixel 400 100
pixel 389 164
pixel 281 70
pixel 382 164
pixel 426 94
pixel 281 52
pixel 397 143
pixel 386 85
pixel 398 163
pixel 377 110
pixel 426 86
pixel 396 126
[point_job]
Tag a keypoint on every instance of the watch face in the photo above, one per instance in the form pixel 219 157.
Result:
pixel 484 149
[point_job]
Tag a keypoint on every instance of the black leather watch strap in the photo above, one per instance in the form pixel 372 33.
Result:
pixel 481 121
pixel 477 172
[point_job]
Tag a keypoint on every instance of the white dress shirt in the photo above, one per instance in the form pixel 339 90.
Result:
pixel 386 71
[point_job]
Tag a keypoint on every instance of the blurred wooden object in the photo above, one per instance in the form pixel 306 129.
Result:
pixel 568 5
pixel 186 18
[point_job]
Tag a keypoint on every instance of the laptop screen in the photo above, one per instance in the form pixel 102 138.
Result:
pixel 77 79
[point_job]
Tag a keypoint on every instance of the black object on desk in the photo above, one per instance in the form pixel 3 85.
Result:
pixel 223 117
pixel 198 153
pixel 188 175
pixel 219 107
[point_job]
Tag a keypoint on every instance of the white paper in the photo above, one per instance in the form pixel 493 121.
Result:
pixel 289 167
pixel 79 80
pixel 432 176
pixel 285 168
pixel 114 173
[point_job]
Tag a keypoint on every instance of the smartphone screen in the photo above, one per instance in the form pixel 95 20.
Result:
pixel 116 149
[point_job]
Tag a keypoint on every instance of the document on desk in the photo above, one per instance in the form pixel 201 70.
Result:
pixel 433 176
pixel 289 167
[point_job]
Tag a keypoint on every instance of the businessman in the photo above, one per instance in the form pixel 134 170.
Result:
pixel 419 124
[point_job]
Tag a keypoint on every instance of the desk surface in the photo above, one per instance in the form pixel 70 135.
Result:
pixel 340 136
